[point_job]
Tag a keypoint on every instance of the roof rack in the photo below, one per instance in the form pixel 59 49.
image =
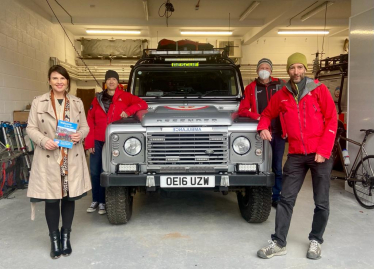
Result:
pixel 147 53
pixel 334 63
pixel 216 55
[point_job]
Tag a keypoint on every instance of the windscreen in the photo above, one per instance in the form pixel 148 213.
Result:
pixel 197 83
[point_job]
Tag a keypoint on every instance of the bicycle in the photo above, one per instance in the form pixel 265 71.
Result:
pixel 361 176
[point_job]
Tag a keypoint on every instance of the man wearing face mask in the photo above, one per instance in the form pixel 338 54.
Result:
pixel 256 98
pixel 309 115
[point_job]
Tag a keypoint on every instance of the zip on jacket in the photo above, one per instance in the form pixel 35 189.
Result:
pixel 315 128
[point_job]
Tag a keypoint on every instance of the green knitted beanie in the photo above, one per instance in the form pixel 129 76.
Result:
pixel 297 58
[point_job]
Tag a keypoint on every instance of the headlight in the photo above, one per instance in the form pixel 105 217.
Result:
pixel 132 146
pixel 241 145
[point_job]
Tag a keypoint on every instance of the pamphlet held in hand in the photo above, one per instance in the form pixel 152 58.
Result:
pixel 63 132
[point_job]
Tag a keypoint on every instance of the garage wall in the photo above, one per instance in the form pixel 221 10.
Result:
pixel 360 74
pixel 27 41
pixel 279 48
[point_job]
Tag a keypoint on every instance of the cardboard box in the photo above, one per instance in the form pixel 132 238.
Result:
pixel 21 115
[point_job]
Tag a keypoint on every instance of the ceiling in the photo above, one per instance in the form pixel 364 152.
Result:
pixel 265 20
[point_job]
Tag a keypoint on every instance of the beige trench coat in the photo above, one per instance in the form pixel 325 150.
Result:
pixel 45 178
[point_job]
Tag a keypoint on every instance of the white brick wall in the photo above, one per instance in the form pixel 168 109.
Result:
pixel 27 41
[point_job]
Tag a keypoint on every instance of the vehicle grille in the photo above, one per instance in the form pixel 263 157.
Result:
pixel 187 149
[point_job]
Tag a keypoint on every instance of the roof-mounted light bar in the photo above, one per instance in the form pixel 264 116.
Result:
pixel 184 52
pixel 185 59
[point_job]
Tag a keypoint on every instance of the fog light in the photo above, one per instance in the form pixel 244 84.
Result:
pixel 115 153
pixel 124 168
pixel 258 152
pixel 246 167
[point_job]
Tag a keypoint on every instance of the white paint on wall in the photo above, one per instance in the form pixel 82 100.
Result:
pixel 278 49
pixel 27 41
pixel 359 6
pixel 360 82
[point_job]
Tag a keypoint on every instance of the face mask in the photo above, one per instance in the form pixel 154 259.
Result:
pixel 264 74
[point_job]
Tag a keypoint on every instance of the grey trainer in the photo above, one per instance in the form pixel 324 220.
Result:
pixel 273 249
pixel 314 251
pixel 93 207
pixel 102 209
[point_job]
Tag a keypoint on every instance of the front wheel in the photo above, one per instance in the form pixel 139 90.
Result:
pixel 118 204
pixel 255 204
pixel 363 188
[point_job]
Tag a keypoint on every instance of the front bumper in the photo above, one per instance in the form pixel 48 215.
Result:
pixel 235 180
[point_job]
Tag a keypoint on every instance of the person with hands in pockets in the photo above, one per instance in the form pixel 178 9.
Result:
pixel 109 105
pixel 310 121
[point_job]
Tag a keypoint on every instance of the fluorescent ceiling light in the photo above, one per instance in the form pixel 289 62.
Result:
pixel 112 32
pixel 316 10
pixel 251 7
pixel 303 32
pixel 206 33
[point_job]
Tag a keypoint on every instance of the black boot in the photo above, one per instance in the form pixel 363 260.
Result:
pixel 55 244
pixel 65 241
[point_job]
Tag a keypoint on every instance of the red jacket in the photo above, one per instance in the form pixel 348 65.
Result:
pixel 98 120
pixel 310 124
pixel 248 106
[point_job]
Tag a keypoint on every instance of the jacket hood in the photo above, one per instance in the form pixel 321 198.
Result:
pixel 116 95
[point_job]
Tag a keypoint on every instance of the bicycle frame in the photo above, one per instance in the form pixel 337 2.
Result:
pixel 360 154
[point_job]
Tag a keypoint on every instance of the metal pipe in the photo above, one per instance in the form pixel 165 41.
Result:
pixel 21 140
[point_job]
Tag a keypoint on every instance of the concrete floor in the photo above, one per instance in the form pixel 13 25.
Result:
pixel 187 230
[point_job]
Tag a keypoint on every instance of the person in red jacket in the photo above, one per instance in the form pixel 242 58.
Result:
pixel 108 106
pixel 310 122
pixel 256 97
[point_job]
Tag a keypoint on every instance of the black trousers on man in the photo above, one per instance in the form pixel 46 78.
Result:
pixel 294 171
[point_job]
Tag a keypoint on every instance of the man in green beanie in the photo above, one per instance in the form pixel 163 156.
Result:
pixel 310 120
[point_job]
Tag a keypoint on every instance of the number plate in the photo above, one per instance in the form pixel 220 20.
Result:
pixel 187 181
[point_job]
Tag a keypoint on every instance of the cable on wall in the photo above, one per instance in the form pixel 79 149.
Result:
pixel 324 29
pixel 71 42
pixel 301 12
pixel 71 18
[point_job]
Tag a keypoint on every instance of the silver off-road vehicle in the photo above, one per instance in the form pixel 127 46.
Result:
pixel 191 137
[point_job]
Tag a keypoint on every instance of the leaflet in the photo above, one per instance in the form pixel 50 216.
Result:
pixel 63 132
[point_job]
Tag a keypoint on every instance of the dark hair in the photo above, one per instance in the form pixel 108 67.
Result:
pixel 62 71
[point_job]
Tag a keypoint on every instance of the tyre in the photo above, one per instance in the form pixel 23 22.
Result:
pixel 118 204
pixel 255 204
pixel 364 187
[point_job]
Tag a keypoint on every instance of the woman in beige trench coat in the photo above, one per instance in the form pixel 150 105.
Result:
pixel 57 174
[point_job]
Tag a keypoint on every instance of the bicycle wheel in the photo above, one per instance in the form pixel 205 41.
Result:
pixel 364 187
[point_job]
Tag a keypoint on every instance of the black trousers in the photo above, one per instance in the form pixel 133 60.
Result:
pixel 294 171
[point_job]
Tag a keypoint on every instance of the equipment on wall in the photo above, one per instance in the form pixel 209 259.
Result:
pixel 14 170
pixel 333 72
